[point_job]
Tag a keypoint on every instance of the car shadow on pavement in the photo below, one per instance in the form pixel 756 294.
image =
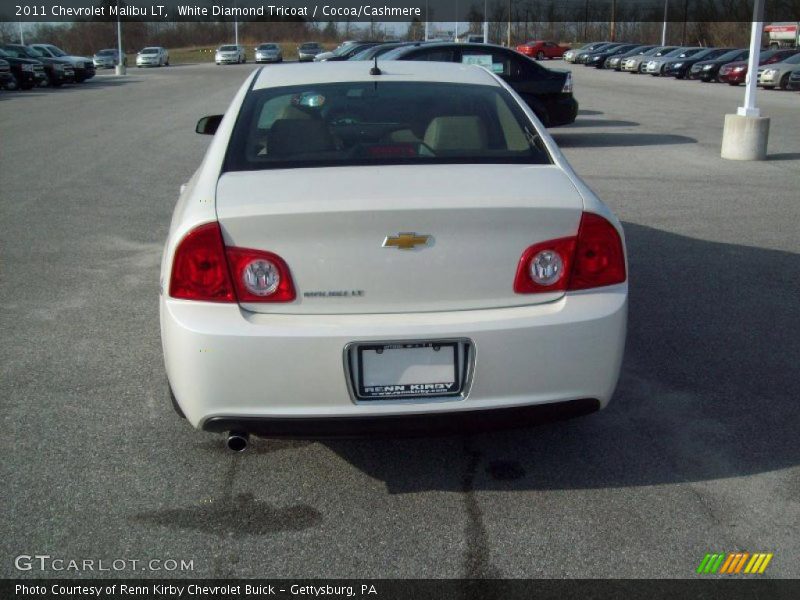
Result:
pixel 602 123
pixel 708 389
pixel 607 140
pixel 784 156
pixel 93 83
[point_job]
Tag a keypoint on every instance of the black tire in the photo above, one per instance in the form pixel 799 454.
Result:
pixel 13 84
pixel 540 55
pixel 733 83
pixel 784 84
pixel 46 82
pixel 175 406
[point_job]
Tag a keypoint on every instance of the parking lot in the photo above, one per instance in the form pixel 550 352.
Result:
pixel 698 452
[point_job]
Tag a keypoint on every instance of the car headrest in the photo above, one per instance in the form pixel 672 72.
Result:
pixel 292 112
pixel 456 133
pixel 296 136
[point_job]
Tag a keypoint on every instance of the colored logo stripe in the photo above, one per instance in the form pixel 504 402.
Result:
pixel 733 562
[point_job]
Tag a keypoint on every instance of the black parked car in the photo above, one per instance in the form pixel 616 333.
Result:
pixel 583 56
pixel 56 70
pixel 794 81
pixel 547 91
pixel 26 73
pixel 708 70
pixel 84 67
pixel 598 59
pixel 354 49
pixel 6 79
pixel 579 54
pixel 680 69
pixel 381 49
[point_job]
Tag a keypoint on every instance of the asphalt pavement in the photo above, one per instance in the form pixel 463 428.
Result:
pixel 698 451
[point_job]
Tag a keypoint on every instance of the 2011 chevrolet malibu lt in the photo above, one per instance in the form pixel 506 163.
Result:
pixel 383 249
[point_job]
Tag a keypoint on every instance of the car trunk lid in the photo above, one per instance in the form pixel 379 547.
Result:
pixel 341 229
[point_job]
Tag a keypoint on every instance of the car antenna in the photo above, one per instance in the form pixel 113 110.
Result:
pixel 375 70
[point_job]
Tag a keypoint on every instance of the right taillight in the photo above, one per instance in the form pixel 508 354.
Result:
pixel 599 257
pixel 593 258
pixel 567 88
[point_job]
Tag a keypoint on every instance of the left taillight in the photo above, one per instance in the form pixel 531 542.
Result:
pixel 200 269
pixel 260 276
pixel 204 269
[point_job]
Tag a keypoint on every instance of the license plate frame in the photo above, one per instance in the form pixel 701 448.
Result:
pixel 364 390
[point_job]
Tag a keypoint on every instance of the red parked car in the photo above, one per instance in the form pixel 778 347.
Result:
pixel 540 49
pixel 735 73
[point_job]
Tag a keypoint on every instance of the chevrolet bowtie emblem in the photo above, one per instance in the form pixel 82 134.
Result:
pixel 406 241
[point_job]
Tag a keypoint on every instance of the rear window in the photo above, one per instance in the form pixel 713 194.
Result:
pixel 228 48
pixel 150 51
pixel 364 123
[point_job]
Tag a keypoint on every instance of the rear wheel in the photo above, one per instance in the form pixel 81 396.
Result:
pixel 13 84
pixel 784 84
pixel 540 55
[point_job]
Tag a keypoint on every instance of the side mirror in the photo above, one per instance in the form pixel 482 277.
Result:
pixel 208 125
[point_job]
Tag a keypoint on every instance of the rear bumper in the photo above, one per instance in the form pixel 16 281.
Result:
pixel 562 109
pixel 457 423
pixel 733 77
pixel 231 365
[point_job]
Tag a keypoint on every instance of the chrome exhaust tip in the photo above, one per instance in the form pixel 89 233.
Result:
pixel 237 441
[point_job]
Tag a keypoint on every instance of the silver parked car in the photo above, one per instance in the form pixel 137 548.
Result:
pixel 655 66
pixel 152 56
pixel 108 58
pixel 634 64
pixel 777 74
pixel 230 54
pixel 268 53
pixel 306 52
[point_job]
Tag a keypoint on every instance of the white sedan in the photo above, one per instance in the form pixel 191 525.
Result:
pixel 383 251
pixel 152 56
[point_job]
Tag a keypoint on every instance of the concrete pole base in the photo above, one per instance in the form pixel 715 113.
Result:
pixel 120 70
pixel 745 138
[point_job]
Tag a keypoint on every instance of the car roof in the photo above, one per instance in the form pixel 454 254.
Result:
pixel 346 71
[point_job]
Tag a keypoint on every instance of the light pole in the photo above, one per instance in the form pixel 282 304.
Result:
pixel 508 31
pixel 745 134
pixel 664 28
pixel 456 34
pixel 426 20
pixel 485 21
pixel 120 69
pixel 21 35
